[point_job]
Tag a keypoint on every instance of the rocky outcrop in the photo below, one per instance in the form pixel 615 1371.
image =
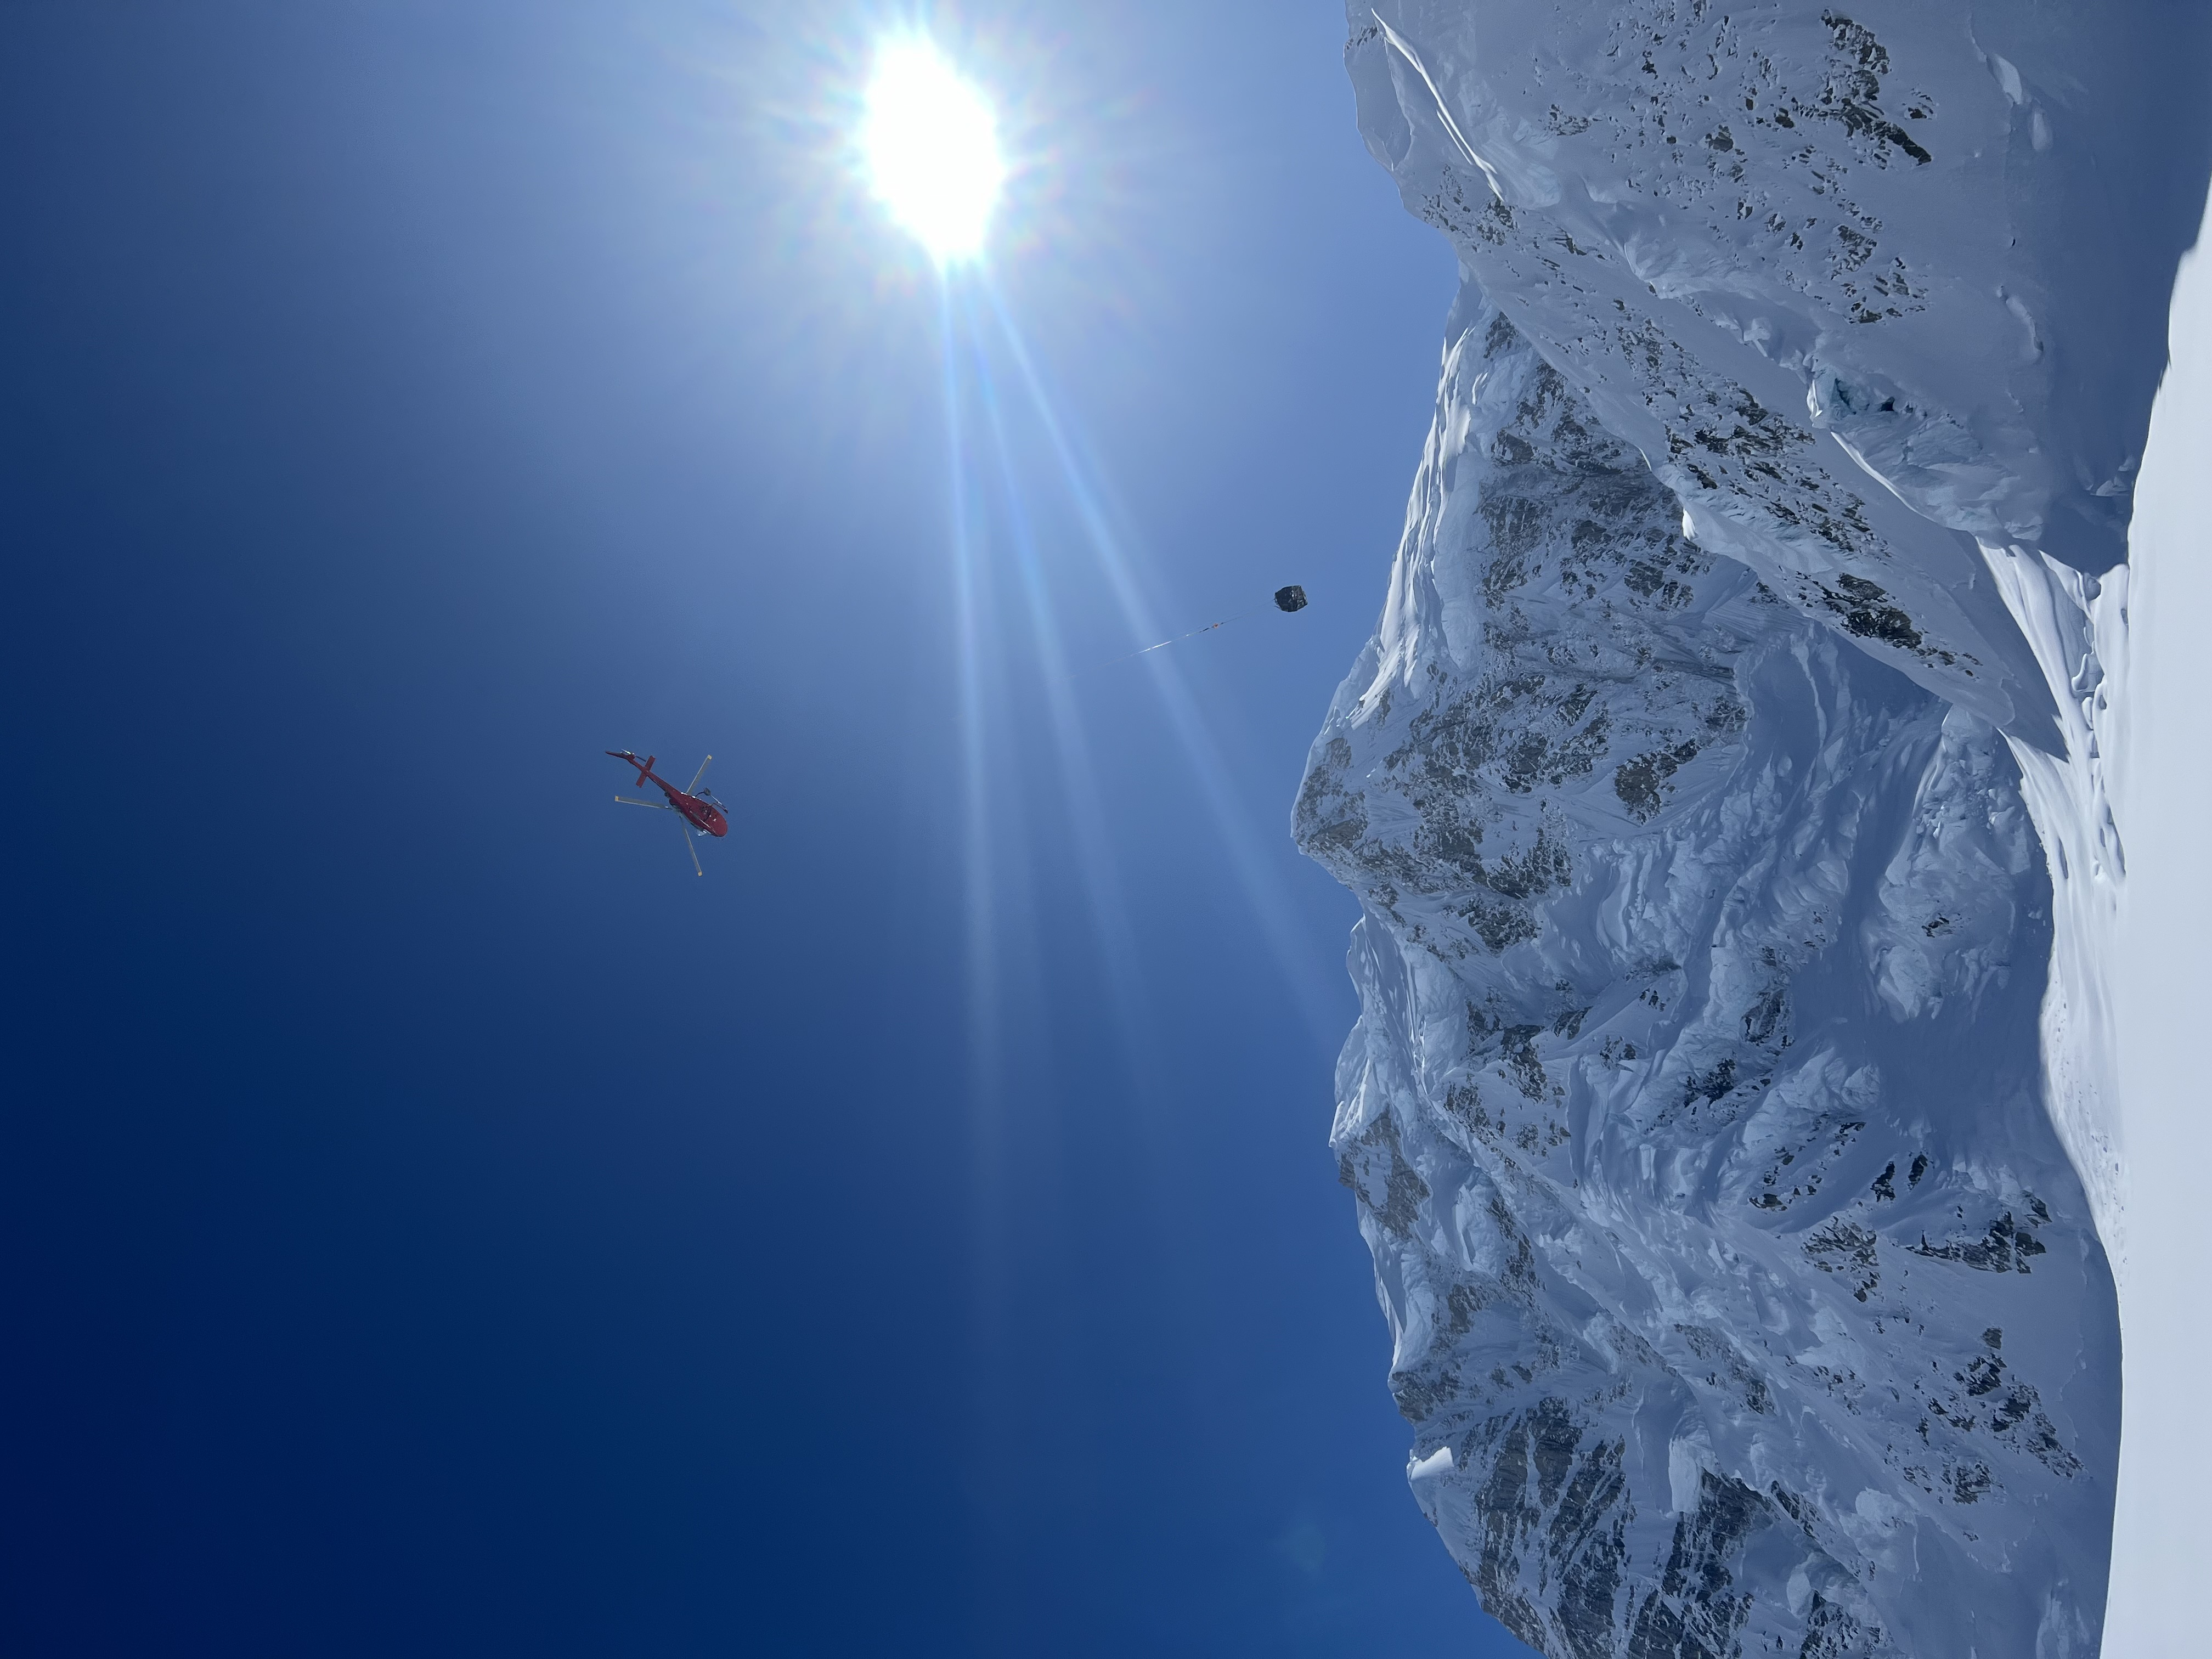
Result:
pixel 1732 1112
pixel 1743 1297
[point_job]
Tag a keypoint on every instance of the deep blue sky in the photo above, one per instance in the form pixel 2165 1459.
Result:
pixel 435 1222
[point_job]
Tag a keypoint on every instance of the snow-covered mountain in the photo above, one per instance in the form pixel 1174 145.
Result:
pixel 1732 1111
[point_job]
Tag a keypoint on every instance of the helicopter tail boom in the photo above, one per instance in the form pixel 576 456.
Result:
pixel 644 767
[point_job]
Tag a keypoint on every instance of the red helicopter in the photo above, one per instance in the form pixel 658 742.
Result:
pixel 695 808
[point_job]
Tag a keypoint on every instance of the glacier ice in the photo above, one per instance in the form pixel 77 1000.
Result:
pixel 1732 1112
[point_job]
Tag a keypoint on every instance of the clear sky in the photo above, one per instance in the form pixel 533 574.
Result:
pixel 436 1221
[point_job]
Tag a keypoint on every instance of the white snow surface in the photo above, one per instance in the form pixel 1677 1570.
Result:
pixel 1735 1109
pixel 2161 1539
pixel 1742 1295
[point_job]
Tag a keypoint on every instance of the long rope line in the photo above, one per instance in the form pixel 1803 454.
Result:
pixel 1180 638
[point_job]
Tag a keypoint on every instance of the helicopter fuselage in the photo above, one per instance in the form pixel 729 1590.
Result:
pixel 701 814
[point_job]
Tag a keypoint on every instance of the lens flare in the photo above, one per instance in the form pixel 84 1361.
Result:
pixel 931 144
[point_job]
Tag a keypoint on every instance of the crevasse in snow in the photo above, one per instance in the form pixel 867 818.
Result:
pixel 1732 1111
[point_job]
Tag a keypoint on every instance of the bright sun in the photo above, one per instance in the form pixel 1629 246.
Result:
pixel 932 149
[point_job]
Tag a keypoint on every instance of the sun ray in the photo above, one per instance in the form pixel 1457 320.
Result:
pixel 1248 854
pixel 1085 811
pixel 980 920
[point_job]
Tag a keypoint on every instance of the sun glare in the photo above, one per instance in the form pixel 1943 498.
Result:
pixel 932 151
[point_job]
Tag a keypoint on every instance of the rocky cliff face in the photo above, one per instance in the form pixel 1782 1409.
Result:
pixel 1733 1109
pixel 1742 1295
pixel 1724 1113
pixel 1877 292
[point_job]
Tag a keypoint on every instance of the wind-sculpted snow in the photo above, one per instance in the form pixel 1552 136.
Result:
pixel 1743 1297
pixel 1876 294
pixel 1826 271
pixel 1732 1112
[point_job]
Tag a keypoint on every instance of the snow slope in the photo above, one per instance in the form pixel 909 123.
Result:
pixel 1733 1110
pixel 1743 1297
pixel 2161 1539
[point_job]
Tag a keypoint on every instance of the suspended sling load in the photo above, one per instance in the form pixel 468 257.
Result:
pixel 1292 598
